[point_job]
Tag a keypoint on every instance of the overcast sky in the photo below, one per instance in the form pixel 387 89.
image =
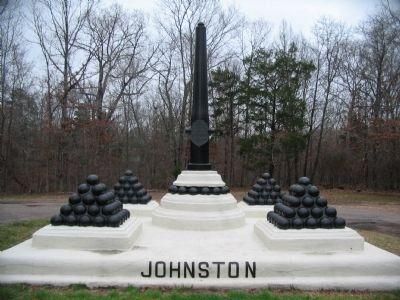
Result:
pixel 300 14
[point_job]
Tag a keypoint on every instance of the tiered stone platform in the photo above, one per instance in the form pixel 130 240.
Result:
pixel 198 200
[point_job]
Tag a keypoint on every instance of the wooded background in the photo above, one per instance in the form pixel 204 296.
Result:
pixel 115 88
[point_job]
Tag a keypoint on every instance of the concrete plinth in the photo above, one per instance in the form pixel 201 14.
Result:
pixel 141 210
pixel 255 211
pixel 198 212
pixel 309 240
pixel 88 238
pixel 234 258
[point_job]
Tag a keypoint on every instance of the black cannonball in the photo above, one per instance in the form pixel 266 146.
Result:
pixel 249 200
pixel 339 222
pixel 83 188
pixel 66 209
pixel 265 195
pixel 125 199
pixel 277 188
pixel 308 201
pixel 126 186
pixel 261 201
pixel 297 190
pixel 145 199
pixel 313 191
pixel 137 186
pixel 292 200
pixel 268 188
pixel 253 194
pixel 141 192
pixel 326 222
pixel 193 190
pixel 74 199
pixel 173 189
pixel 56 220
pixel 216 190
pixel 303 212
pixel 99 188
pixel 92 179
pixel 330 212
pixel 84 220
pixel 205 190
pixel 99 221
pixel 304 181
pixel 117 186
pixel 182 190
pixel 130 193
pixel 257 187
pixel 93 210
pixel 106 197
pixel 270 201
pixel 131 181
pixel 70 220
pixel 278 200
pixel 274 195
pixel 272 181
pixel 297 223
pixel 121 194
pixel 266 176
pixel 321 202
pixel 88 198
pixel 122 180
pixel 261 181
pixel 311 223
pixel 79 209
pixel 128 173
pixel 317 212
pixel 224 190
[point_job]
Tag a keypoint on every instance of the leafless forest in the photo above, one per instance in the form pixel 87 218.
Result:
pixel 113 91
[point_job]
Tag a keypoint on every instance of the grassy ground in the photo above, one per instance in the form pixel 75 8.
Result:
pixel 80 292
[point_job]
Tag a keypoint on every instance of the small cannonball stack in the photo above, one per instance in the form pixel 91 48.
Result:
pixel 92 205
pixel 130 190
pixel 264 192
pixel 304 208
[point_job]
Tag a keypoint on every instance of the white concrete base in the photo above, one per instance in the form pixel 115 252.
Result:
pixel 198 212
pixel 369 269
pixel 199 178
pixel 308 240
pixel 142 210
pixel 255 211
pixel 88 238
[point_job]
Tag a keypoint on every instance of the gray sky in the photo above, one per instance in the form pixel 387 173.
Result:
pixel 300 14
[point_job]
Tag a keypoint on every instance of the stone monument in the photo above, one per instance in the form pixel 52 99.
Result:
pixel 198 237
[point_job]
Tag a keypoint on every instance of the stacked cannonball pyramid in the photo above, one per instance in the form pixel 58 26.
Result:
pixel 264 192
pixel 93 205
pixel 130 190
pixel 304 208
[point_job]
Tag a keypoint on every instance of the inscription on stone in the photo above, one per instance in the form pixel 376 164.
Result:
pixel 202 269
pixel 199 133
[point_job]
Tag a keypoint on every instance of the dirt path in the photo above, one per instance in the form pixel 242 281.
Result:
pixel 382 217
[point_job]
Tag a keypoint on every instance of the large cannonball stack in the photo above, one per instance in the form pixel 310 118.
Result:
pixel 130 190
pixel 92 205
pixel 304 208
pixel 264 192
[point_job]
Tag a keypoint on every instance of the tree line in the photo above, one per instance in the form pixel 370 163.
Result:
pixel 110 89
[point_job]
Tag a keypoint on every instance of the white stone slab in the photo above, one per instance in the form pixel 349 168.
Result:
pixel 199 178
pixel 142 210
pixel 308 240
pixel 198 212
pixel 255 211
pixel 88 238
pixel 369 269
